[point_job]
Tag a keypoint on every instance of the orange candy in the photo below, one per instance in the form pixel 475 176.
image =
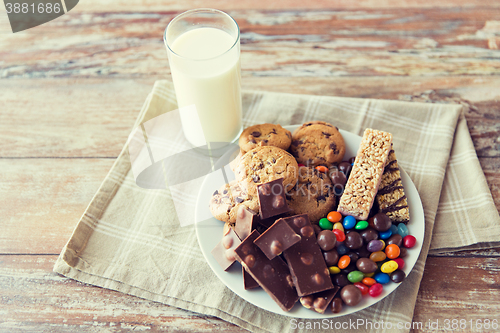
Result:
pixel 368 281
pixel 322 168
pixel 344 261
pixel 392 251
pixel 334 217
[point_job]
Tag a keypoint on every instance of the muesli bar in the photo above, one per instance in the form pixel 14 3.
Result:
pixel 391 196
pixel 366 174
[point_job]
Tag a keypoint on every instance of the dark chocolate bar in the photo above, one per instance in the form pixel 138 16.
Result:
pixel 319 302
pixel 272 199
pixel 305 259
pixel 246 221
pixel 272 275
pixel 279 237
pixel 223 252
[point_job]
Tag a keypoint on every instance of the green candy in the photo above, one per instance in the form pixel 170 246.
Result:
pixel 355 276
pixel 361 225
pixel 325 224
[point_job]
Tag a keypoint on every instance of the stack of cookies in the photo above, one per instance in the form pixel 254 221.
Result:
pixel 269 152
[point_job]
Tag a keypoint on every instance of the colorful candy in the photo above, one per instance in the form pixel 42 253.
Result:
pixel 355 276
pixel 398 276
pixel 382 278
pixel 349 222
pixel 322 168
pixel 389 267
pixel 339 233
pixel 368 281
pixel 338 226
pixel 375 290
pixel 334 270
pixel 392 251
pixel 362 287
pixel 378 256
pixel 400 262
pixel 361 225
pixel 334 217
pixel 403 230
pixel 342 249
pixel 366 265
pixel 375 245
pixel 385 234
pixel 344 261
pixel 409 241
pixel 325 224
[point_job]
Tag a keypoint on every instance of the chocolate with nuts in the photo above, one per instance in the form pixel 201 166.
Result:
pixel 223 252
pixel 272 200
pixel 272 275
pixel 319 302
pixel 305 259
pixel 278 238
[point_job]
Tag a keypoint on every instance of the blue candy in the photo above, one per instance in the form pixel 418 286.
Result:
pixel 394 229
pixel 385 234
pixel 403 230
pixel 349 222
pixel 382 278
pixel 342 249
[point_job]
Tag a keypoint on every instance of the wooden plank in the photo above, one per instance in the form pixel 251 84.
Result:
pixel 98 124
pixel 43 199
pixel 316 43
pixel 34 297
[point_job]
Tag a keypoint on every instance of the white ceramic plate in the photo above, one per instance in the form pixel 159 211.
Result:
pixel 209 233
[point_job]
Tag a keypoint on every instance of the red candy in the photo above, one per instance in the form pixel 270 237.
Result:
pixel 409 241
pixel 339 234
pixel 363 288
pixel 375 290
pixel 400 262
pixel 301 165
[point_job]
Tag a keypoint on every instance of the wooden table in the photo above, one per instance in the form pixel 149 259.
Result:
pixel 71 89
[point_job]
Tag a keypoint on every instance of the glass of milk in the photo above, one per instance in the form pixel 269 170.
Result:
pixel 203 47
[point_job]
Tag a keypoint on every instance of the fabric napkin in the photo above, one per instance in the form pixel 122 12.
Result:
pixel 129 240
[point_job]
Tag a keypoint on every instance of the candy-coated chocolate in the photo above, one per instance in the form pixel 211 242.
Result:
pixel 403 252
pixel 378 256
pixel 354 257
pixel 342 249
pixel 398 276
pixel 353 240
pixel 331 257
pixel 385 234
pixel 344 261
pixel 369 234
pixel 392 251
pixel 345 168
pixel 351 295
pixel 362 252
pixel 340 280
pixel 409 241
pixel 334 270
pixel 395 239
pixel 349 222
pixel 383 245
pixel 363 288
pixel 351 267
pixel 325 224
pixel 361 225
pixel 382 278
pixel 370 274
pixel 326 240
pixel 389 267
pixel 381 222
pixel 338 181
pixel 400 262
pixel 338 226
pixel 337 305
pixel 375 290
pixel 334 216
pixel 368 281
pixel 340 235
pixel 403 230
pixel 366 265
pixel 322 168
pixel 375 245
pixel 355 276
pixel 394 229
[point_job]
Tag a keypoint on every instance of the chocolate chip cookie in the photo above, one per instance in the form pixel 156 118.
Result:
pixel 225 202
pixel 312 194
pixel 317 143
pixel 265 135
pixel 263 164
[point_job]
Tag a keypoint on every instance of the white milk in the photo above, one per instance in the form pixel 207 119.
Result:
pixel 206 73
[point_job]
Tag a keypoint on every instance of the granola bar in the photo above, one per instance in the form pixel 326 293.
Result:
pixel 391 196
pixel 366 174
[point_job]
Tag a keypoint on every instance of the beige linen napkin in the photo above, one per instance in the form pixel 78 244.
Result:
pixel 129 238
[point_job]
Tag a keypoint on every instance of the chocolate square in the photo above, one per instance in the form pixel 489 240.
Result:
pixel 246 222
pixel 248 280
pixel 279 237
pixel 272 199
pixel 305 259
pixel 272 275
pixel 319 302
pixel 223 252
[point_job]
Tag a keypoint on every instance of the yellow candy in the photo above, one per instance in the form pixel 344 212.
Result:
pixel 339 226
pixel 389 267
pixel 369 274
pixel 383 247
pixel 335 270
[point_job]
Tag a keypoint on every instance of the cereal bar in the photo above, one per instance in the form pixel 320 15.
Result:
pixel 391 196
pixel 366 174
